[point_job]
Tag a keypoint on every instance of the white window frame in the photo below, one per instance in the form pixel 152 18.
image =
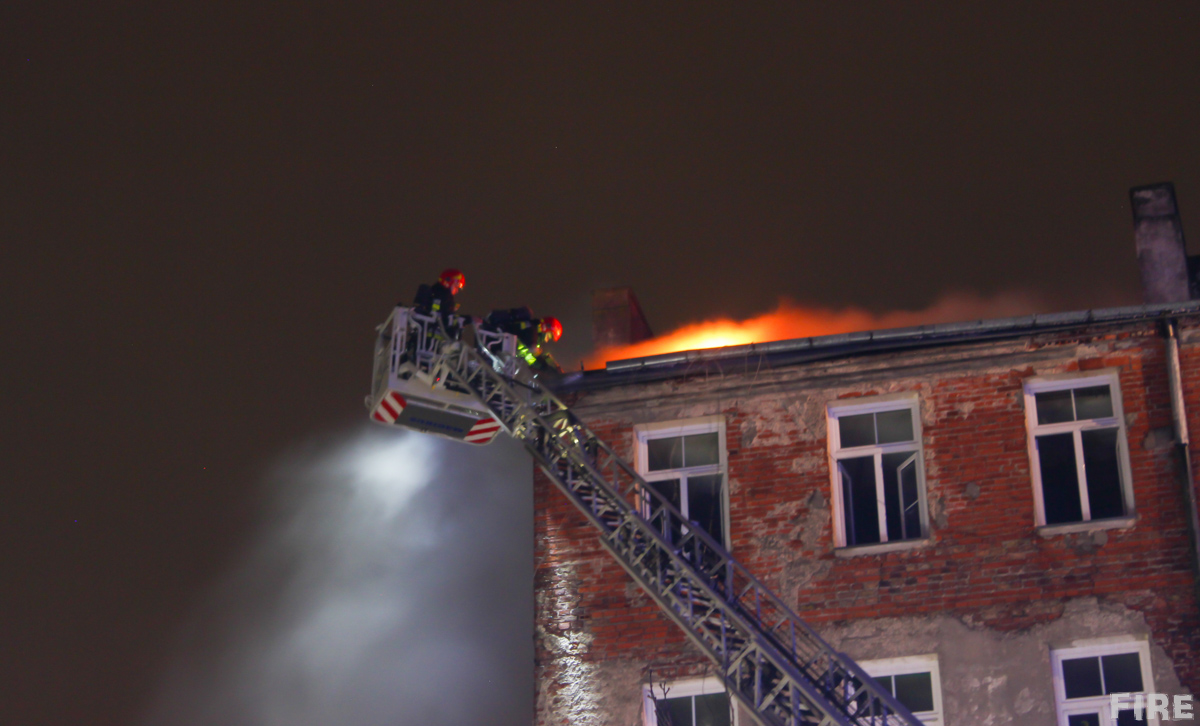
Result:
pixel 1065 382
pixel 680 688
pixel 1098 704
pixel 643 433
pixel 875 404
pixel 912 664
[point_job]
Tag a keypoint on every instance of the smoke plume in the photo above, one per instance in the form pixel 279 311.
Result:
pixel 393 585
pixel 791 320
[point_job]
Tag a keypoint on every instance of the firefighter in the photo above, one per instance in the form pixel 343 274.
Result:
pixel 531 334
pixel 438 299
pixel 549 330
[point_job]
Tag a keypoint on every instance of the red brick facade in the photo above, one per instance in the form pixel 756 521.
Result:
pixel 985 562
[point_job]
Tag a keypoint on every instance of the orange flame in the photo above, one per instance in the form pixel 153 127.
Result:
pixel 790 320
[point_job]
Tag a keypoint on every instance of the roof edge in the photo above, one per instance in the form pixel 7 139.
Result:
pixel 617 372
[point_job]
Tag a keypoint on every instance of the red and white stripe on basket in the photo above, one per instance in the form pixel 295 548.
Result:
pixel 483 431
pixel 389 408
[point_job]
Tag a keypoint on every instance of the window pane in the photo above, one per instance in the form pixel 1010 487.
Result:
pixel 860 499
pixel 664 453
pixel 910 498
pixel 857 430
pixel 1060 482
pixel 1122 673
pixel 670 491
pixel 1084 719
pixel 891 495
pixel 1093 402
pixel 1054 407
pixel 861 703
pixel 704 504
pixel 1103 474
pixel 1126 718
pixel 701 449
pixel 674 711
pixel 1081 676
pixel 915 690
pixel 894 426
pixel 712 710
pixel 900 496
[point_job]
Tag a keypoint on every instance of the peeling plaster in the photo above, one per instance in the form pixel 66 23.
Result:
pixel 990 677
pixel 573 700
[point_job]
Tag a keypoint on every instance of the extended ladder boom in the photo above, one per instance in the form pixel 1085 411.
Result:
pixel 770 660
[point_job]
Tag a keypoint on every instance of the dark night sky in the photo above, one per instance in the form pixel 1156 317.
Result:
pixel 206 208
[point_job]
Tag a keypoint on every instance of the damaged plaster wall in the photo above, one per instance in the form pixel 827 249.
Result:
pixel 575 688
pixel 993 678
pixel 988 677
pixel 967 593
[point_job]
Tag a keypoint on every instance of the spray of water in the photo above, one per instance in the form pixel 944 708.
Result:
pixel 393 584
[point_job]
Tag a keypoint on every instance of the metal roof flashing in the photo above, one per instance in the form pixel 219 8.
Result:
pixel 668 365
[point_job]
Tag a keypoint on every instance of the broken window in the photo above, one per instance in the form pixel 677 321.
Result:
pixel 1078 450
pixel 878 484
pixel 1086 677
pixel 685 463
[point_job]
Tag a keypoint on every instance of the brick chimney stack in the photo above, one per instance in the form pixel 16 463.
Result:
pixel 1161 251
pixel 617 318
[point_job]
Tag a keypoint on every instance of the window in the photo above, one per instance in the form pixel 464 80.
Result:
pixel 914 681
pixel 1085 677
pixel 698 702
pixel 1077 449
pixel 685 462
pixel 878 481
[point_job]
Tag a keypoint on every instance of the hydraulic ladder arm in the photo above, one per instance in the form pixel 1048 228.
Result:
pixel 777 666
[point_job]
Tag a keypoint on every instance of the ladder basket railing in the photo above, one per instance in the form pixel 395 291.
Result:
pixel 409 342
pixel 773 662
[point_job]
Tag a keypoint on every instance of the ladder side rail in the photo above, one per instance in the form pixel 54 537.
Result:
pixel 679 598
pixel 744 583
pixel 560 443
pixel 787 713
pixel 832 655
pixel 727 641
pixel 819 661
pixel 532 428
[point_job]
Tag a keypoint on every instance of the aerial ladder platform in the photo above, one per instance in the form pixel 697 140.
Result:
pixel 772 662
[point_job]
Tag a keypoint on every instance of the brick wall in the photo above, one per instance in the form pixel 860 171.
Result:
pixel 985 564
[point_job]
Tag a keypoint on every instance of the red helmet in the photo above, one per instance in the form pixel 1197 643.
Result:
pixel 550 327
pixel 453 279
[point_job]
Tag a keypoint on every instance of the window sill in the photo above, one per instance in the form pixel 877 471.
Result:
pixel 1052 530
pixel 880 549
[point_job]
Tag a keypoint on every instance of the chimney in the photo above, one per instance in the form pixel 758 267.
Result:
pixel 1162 255
pixel 617 318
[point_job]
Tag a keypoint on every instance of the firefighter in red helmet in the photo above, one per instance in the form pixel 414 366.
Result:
pixel 550 329
pixel 532 335
pixel 452 280
pixel 438 299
